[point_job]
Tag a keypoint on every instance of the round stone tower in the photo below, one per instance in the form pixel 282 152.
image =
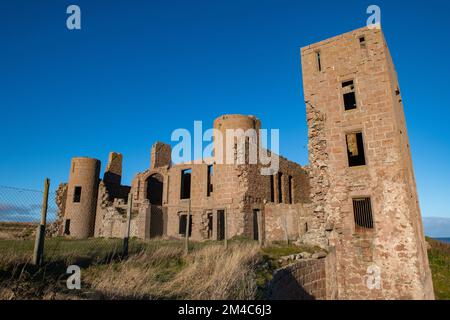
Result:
pixel 81 200
pixel 234 122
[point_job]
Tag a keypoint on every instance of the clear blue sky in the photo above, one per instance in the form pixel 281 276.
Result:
pixel 140 69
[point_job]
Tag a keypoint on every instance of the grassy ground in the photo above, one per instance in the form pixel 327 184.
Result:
pixel 154 269
pixel 439 257
pixel 159 269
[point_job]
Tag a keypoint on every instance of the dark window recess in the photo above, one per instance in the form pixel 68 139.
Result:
pixel 220 224
pixel 272 189
pixel 67 227
pixel 362 42
pixel 77 194
pixel 397 91
pixel 348 89
pixel 183 223
pixel 210 225
pixel 256 213
pixel 186 184
pixel 355 149
pixel 155 189
pixel 319 61
pixel 209 181
pixel 280 187
pixel 291 186
pixel 362 210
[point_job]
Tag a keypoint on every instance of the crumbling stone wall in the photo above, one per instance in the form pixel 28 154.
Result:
pixel 56 228
pixel 395 245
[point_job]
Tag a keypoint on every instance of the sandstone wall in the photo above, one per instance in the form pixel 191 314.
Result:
pixel 395 246
pixel 302 280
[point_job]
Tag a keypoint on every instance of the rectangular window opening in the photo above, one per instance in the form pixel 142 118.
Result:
pixel 209 181
pixel 77 195
pixel 355 149
pixel 319 61
pixel 362 211
pixel 256 214
pixel 186 184
pixel 183 223
pixel 272 189
pixel 280 187
pixel 220 224
pixel 210 225
pixel 348 89
pixel 67 227
pixel 291 186
pixel 362 42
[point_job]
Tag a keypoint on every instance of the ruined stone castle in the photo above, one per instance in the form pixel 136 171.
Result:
pixel 357 197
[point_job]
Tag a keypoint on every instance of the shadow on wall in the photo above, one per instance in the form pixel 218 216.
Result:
pixel 288 288
pixel 303 280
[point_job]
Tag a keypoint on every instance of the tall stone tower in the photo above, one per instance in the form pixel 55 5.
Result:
pixel 362 180
pixel 82 190
pixel 234 122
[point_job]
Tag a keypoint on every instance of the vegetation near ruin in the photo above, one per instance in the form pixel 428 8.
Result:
pixel 439 257
pixel 154 269
pixel 159 269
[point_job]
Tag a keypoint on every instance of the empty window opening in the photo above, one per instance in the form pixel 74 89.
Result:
pixel 291 186
pixel 209 184
pixel 348 89
pixel 306 227
pixel 183 223
pixel 67 227
pixel 210 225
pixel 256 214
pixel 155 189
pixel 355 149
pixel 397 91
pixel 362 211
pixel 186 184
pixel 220 224
pixel 319 61
pixel 280 187
pixel 77 194
pixel 362 42
pixel 272 189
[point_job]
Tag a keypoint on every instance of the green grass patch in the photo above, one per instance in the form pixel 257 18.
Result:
pixel 439 257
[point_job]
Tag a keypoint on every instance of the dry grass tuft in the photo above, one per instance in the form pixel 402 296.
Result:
pixel 215 273
pixel 208 273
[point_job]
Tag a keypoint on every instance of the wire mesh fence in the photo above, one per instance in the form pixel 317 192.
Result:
pixel 20 217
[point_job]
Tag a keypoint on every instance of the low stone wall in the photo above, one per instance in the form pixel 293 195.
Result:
pixel 302 280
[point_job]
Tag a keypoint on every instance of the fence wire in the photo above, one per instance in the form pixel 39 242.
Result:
pixel 20 214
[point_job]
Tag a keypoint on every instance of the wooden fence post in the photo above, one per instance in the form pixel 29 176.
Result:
pixel 260 229
pixel 188 222
pixel 38 252
pixel 126 239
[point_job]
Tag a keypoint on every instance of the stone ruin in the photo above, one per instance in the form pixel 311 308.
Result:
pixel 356 199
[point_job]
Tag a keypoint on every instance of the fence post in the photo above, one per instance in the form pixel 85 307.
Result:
pixel 38 252
pixel 260 228
pixel 225 240
pixel 127 231
pixel 188 222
